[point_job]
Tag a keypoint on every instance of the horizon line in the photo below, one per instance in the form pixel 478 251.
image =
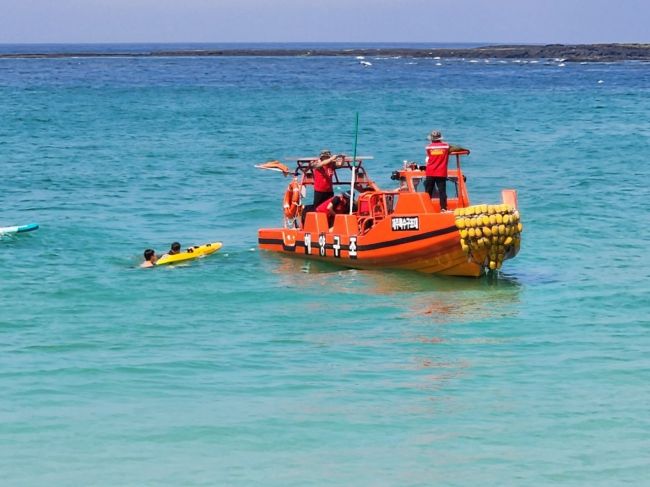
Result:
pixel 506 43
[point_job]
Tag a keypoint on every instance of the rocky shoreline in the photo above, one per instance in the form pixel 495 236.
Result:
pixel 567 53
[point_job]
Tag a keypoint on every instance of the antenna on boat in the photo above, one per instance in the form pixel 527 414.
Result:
pixel 354 161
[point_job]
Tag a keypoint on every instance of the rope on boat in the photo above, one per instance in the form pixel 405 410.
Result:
pixel 489 234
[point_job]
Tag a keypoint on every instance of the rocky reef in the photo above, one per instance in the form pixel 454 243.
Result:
pixel 568 53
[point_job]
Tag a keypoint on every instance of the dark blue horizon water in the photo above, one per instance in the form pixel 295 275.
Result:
pixel 246 368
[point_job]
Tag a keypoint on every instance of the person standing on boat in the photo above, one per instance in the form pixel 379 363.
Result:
pixel 436 170
pixel 323 172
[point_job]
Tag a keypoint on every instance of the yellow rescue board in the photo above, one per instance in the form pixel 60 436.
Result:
pixel 190 254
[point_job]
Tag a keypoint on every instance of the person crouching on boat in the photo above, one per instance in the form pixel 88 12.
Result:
pixel 150 258
pixel 336 205
pixel 324 170
pixel 436 166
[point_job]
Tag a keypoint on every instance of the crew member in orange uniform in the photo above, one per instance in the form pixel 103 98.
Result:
pixel 436 170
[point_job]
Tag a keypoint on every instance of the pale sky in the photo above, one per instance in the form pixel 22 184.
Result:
pixel 526 21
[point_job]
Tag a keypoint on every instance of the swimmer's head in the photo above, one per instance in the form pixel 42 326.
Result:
pixel 150 255
pixel 176 247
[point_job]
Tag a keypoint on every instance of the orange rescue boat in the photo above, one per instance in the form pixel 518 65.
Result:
pixel 398 229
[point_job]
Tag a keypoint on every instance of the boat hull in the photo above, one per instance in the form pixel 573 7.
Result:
pixel 433 248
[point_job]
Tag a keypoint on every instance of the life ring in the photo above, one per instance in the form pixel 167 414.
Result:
pixel 291 201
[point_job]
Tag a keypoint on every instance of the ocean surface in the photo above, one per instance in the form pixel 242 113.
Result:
pixel 250 369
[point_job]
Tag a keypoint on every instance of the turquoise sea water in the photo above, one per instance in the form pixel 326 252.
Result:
pixel 249 369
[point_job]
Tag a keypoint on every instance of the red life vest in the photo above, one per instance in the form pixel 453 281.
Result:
pixel 323 179
pixel 340 205
pixel 322 208
pixel 437 159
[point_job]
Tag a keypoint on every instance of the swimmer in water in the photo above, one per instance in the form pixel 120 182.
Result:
pixel 175 249
pixel 150 258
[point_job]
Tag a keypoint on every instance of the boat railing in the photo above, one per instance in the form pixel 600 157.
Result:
pixel 304 166
pixel 374 206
